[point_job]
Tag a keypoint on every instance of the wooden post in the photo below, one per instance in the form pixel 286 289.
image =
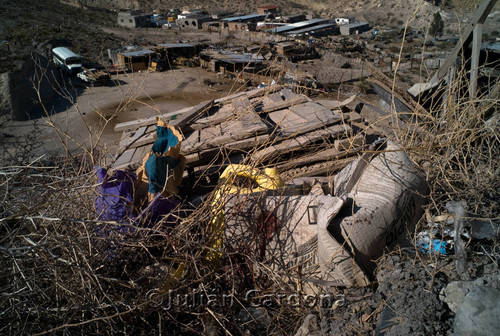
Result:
pixel 476 50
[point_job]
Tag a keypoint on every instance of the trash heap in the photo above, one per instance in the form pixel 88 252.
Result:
pixel 265 161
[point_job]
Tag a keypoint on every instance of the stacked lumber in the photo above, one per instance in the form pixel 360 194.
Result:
pixel 271 127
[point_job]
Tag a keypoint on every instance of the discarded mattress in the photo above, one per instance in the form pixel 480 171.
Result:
pixel 303 231
pixel 382 198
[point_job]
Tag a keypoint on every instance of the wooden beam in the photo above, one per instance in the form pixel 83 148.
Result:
pixel 249 94
pixel 124 158
pixel 135 124
pixel 132 137
pixel 300 142
pixel 285 104
pixel 187 117
pixel 476 50
pixel 328 154
pixel 479 17
pixel 318 169
pixel 185 114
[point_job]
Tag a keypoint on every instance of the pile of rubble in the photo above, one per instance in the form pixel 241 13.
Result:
pixel 295 215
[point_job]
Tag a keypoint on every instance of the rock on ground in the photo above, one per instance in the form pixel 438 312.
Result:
pixel 478 313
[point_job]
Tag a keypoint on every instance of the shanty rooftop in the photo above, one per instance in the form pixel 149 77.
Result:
pixel 175 45
pixel 245 17
pixel 310 29
pixel 355 24
pixel 233 57
pixel 137 53
pixel 296 25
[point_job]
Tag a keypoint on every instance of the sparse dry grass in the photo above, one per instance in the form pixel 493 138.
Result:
pixel 60 275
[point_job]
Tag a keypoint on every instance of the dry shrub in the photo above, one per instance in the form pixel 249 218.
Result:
pixel 63 270
pixel 61 274
pixel 458 146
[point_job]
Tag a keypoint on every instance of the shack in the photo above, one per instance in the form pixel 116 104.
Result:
pixel 133 19
pixel 178 50
pixel 245 26
pixel 193 21
pixel 268 10
pixel 354 28
pixel 316 31
pixel 294 18
pixel 296 52
pixel 230 62
pixel 135 60
pixel 211 25
pixel 246 18
pixel 296 26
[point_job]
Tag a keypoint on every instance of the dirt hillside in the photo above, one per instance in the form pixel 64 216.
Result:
pixel 377 12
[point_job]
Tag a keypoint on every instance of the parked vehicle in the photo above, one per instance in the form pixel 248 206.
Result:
pixel 94 77
pixel 67 60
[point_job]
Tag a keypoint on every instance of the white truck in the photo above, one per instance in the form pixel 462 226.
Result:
pixel 94 77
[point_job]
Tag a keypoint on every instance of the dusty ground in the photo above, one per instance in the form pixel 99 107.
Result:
pixel 90 119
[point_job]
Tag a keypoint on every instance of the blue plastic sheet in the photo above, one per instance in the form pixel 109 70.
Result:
pixel 436 246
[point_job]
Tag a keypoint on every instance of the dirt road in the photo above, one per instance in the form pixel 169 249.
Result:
pixel 88 122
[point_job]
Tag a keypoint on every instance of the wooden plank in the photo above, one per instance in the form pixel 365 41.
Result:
pixel 147 139
pixel 479 17
pixel 185 116
pixel 275 98
pixel 349 143
pixel 335 104
pixel 228 133
pixel 241 128
pixel 250 94
pixel 130 137
pixel 353 117
pixel 305 118
pixel 247 143
pixel 224 113
pixel 288 94
pixel 139 154
pixel 300 142
pixel 201 140
pixel 318 169
pixel 241 104
pixel 184 119
pixel 392 88
pixel 328 154
pixel 286 119
pixel 124 158
pixel 135 124
pixel 202 156
pixel 191 139
pixel 313 112
pixel 285 104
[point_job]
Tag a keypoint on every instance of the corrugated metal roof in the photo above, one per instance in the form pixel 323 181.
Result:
pixel 176 45
pixel 232 57
pixel 354 25
pixel 305 30
pixel 295 26
pixel 137 53
pixel 245 17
